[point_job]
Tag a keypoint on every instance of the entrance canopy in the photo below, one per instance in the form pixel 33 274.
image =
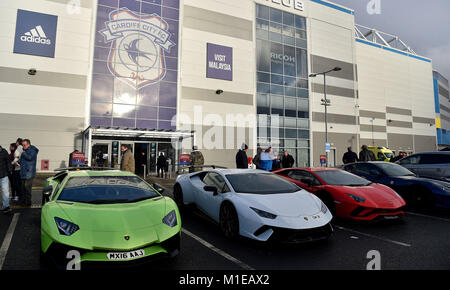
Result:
pixel 120 133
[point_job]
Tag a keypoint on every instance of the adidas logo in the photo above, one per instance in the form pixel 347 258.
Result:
pixel 36 35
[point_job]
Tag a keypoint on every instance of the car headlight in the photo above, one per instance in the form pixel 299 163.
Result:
pixel 356 198
pixel 264 214
pixel 170 219
pixel 323 208
pixel 66 228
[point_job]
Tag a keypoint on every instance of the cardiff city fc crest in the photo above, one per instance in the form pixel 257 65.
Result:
pixel 138 44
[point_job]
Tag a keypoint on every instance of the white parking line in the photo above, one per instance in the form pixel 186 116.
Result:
pixel 7 241
pixel 218 251
pixel 374 237
pixel 428 216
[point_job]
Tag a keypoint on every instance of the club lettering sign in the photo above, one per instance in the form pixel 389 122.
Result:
pixel 219 63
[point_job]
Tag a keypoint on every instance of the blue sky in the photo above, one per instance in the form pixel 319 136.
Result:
pixel 423 25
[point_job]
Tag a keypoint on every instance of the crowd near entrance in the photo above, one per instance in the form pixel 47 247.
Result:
pixel 107 153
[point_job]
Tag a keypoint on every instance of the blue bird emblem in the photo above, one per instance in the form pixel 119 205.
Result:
pixel 134 52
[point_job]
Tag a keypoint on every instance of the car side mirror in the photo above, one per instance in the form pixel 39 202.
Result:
pixel 46 193
pixel 212 189
pixel 158 188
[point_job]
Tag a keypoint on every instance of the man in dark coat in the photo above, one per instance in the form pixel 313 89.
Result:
pixel 161 164
pixel 5 170
pixel 366 155
pixel 241 157
pixel 27 162
pixel 350 156
pixel 287 161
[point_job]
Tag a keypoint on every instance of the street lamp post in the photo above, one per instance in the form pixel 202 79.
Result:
pixel 325 101
pixel 373 139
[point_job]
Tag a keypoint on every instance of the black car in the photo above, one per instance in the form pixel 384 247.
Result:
pixel 418 192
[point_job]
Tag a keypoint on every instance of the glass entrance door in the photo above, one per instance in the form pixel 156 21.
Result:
pixel 100 155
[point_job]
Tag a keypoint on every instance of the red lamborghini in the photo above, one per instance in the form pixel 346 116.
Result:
pixel 347 195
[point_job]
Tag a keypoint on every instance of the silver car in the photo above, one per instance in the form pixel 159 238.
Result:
pixel 434 165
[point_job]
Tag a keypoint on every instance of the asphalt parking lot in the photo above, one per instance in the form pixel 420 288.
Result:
pixel 418 242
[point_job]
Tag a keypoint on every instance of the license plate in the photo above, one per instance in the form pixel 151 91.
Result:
pixel 121 256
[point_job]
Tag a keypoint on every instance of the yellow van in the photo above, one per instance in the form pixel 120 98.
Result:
pixel 381 153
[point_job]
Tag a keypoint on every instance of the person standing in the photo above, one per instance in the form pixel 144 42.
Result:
pixel 5 170
pixel 257 158
pixel 127 161
pixel 366 155
pixel 287 161
pixel 161 164
pixel 350 156
pixel 15 174
pixel 241 157
pixel 267 158
pixel 27 162
pixel 197 159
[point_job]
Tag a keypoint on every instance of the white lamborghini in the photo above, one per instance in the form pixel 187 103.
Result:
pixel 255 204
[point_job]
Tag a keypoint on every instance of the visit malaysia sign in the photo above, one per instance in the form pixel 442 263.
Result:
pixel 219 62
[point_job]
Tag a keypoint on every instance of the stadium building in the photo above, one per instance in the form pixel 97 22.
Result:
pixel 163 75
pixel 442 103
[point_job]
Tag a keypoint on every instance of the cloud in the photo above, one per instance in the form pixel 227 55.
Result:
pixel 441 58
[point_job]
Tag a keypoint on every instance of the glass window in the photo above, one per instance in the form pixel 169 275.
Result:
pixel 304 177
pixel 303 105
pixel 288 19
pixel 290 122
pixel 288 31
pixel 276 79
pixel 262 24
pixel 263 77
pixel 303 134
pixel 263 55
pixel 263 88
pixel 302 63
pixel 302 93
pixel 263 100
pixel 276 57
pixel 339 177
pixel 277 90
pixel 107 190
pixel 303 123
pixel 300 22
pixel 291 133
pixel 215 179
pixel 435 159
pixel 261 183
pixel 277 102
pixel 262 12
pixel 275 15
pixel 289 60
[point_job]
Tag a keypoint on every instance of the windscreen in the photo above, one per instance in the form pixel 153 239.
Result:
pixel 260 183
pixel 392 169
pixel 106 189
pixel 338 177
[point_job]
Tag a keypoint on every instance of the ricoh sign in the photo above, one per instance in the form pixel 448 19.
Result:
pixel 294 4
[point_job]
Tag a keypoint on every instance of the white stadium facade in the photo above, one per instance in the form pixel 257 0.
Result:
pixel 163 75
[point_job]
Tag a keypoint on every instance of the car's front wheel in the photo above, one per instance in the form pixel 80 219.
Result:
pixel 229 221
pixel 178 196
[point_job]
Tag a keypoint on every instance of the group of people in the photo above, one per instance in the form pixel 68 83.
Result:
pixel 365 156
pixel 264 159
pixel 17 172
pixel 128 163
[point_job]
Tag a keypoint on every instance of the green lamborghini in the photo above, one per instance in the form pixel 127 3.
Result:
pixel 106 217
